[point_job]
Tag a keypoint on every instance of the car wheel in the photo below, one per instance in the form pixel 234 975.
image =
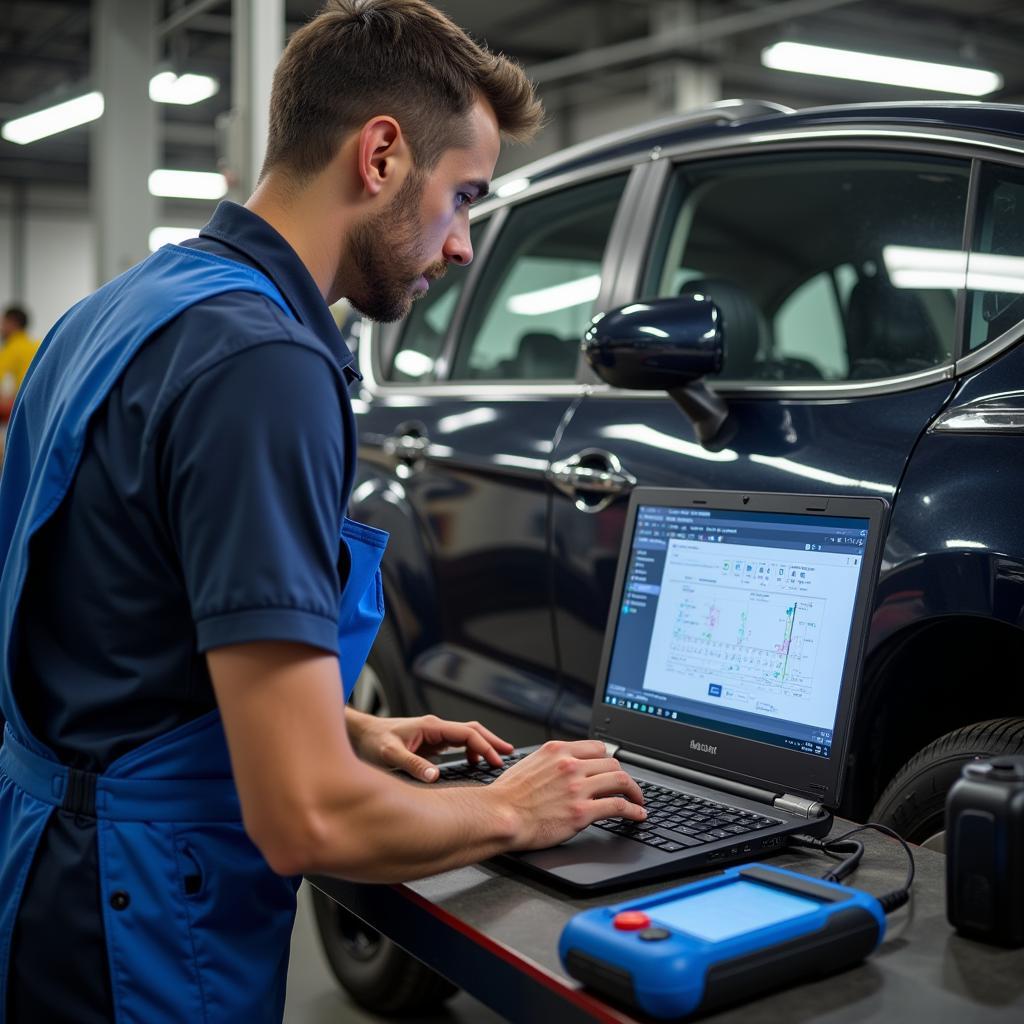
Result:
pixel 376 973
pixel 914 803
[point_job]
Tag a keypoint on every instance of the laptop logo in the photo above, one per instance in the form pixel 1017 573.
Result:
pixel 704 748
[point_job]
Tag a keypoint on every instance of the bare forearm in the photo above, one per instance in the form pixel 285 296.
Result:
pixel 396 830
pixel 311 805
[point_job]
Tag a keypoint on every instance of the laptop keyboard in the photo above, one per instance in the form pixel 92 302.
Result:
pixel 479 772
pixel 675 821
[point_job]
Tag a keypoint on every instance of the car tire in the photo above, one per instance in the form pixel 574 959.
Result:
pixel 914 802
pixel 377 974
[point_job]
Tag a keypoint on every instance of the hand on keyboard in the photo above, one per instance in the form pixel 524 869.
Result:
pixel 562 788
pixel 407 743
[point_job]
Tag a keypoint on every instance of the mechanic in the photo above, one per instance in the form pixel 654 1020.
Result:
pixel 179 621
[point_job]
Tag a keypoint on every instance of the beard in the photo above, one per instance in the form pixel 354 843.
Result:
pixel 387 252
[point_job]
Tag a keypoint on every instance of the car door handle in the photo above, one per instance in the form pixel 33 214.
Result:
pixel 407 447
pixel 592 471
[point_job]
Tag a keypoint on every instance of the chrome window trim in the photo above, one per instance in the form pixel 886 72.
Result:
pixel 996 347
pixel 957 140
pixel 952 142
pixel 815 390
pixel 479 390
pixel 502 390
pixel 722 111
pixel 960 329
pixel 576 176
pixel 451 339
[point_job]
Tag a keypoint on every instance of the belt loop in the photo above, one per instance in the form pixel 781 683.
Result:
pixel 80 793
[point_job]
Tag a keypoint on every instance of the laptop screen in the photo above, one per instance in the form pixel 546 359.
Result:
pixel 738 621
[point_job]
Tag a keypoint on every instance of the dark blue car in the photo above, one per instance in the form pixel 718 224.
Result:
pixel 867 267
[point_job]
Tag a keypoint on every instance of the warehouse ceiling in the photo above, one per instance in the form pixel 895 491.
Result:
pixel 45 46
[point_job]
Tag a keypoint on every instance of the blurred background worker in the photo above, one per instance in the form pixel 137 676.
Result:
pixel 15 355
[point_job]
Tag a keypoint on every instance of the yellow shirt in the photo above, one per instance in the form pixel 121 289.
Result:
pixel 15 355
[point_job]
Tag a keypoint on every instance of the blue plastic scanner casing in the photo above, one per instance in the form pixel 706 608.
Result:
pixel 721 940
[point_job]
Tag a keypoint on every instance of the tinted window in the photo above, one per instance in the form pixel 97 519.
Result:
pixel 809 326
pixel 536 295
pixel 423 334
pixel 809 258
pixel 995 267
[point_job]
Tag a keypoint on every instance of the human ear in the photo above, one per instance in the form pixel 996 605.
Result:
pixel 382 151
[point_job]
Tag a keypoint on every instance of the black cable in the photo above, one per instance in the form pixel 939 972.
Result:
pixel 849 864
pixel 852 851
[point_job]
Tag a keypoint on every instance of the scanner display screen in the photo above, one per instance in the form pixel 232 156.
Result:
pixel 730 910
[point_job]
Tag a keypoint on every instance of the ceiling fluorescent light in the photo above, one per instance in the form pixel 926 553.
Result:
pixel 187 184
pixel 913 267
pixel 871 67
pixel 512 188
pixel 992 272
pixel 58 118
pixel 167 87
pixel 413 363
pixel 167 235
pixel 558 296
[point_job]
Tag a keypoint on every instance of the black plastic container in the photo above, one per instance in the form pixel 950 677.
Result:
pixel 985 851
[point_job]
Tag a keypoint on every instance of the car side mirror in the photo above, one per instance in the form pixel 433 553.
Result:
pixel 665 344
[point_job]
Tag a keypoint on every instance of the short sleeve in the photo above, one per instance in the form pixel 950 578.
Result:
pixel 253 467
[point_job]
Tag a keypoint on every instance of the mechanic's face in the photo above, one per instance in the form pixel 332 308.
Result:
pixel 8 326
pixel 400 250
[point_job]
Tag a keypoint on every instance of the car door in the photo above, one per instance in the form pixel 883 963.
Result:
pixel 838 351
pixel 474 390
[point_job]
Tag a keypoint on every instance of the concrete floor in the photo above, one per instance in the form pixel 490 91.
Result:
pixel 315 998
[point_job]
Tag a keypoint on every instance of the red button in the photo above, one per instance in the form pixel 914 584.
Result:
pixel 631 920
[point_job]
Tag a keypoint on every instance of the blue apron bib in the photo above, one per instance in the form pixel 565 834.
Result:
pixel 197 925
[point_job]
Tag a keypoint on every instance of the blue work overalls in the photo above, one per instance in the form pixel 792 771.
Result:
pixel 197 925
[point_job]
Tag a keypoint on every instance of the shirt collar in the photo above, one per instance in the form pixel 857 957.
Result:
pixel 250 236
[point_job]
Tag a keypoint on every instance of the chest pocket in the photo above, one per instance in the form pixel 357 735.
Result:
pixel 362 597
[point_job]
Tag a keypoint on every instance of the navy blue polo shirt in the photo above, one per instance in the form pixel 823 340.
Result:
pixel 205 511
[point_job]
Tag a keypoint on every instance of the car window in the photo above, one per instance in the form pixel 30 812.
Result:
pixel 809 326
pixel 536 295
pixel 995 264
pixel 810 259
pixel 414 357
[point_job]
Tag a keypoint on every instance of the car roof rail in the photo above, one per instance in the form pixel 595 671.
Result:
pixel 721 112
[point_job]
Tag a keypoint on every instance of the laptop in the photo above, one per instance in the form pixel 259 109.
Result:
pixel 728 679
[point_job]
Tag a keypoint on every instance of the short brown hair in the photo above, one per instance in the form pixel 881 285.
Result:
pixel 18 315
pixel 404 58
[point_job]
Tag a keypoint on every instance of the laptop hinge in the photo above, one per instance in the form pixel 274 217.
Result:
pixel 763 796
pixel 799 806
